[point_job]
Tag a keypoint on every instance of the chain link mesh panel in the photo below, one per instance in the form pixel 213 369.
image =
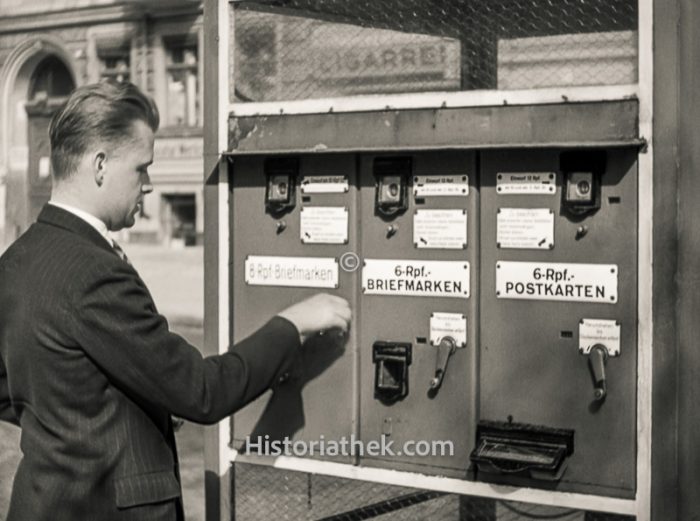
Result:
pixel 262 493
pixel 306 49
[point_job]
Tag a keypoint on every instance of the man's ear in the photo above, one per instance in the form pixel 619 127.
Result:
pixel 99 167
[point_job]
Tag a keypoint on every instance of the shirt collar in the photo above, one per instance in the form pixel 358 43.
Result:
pixel 93 221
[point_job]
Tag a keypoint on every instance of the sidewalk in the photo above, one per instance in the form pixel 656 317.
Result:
pixel 175 278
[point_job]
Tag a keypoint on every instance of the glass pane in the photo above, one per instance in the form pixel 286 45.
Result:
pixel 183 102
pixel 327 48
pixel 115 66
pixel 51 78
pixel 183 90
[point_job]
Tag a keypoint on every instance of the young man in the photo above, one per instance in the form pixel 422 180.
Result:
pixel 88 368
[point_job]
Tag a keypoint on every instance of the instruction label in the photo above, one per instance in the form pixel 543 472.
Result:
pixel 592 331
pixel 525 228
pixel 441 185
pixel 528 183
pixel 416 278
pixel 445 229
pixel 448 324
pixel 556 281
pixel 324 184
pixel 304 272
pixel 324 225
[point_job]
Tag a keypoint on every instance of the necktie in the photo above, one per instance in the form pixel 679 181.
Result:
pixel 120 252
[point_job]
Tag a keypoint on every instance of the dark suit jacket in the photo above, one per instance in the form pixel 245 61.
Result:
pixel 91 373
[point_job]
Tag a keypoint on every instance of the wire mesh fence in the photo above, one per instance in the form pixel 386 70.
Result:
pixel 306 49
pixel 261 493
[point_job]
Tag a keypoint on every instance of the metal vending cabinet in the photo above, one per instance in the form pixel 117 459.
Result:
pixel 559 305
pixel 419 262
pixel 270 197
pixel 494 305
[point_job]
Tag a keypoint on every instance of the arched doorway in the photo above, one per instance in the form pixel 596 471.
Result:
pixel 49 86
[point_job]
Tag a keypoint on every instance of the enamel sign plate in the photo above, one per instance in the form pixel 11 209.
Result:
pixel 324 184
pixel 416 278
pixel 304 272
pixel 440 185
pixel 448 324
pixel 528 183
pixel 445 229
pixel 599 331
pixel 525 228
pixel 557 281
pixel 324 225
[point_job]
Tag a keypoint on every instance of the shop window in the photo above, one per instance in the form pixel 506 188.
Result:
pixel 179 215
pixel 115 63
pixel 182 83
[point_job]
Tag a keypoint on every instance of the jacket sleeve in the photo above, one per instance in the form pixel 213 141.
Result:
pixel 118 327
pixel 6 412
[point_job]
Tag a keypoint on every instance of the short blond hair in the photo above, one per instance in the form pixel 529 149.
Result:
pixel 102 111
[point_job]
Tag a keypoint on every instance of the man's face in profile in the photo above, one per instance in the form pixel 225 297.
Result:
pixel 127 180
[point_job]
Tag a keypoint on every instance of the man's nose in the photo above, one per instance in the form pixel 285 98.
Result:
pixel 146 188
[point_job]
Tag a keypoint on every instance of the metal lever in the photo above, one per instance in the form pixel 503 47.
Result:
pixel 597 359
pixel 445 350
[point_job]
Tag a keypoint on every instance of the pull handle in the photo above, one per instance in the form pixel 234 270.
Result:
pixel 597 360
pixel 445 350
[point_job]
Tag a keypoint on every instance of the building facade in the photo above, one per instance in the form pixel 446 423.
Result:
pixel 48 48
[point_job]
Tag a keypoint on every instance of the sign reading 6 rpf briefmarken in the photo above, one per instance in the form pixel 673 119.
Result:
pixel 557 281
pixel 416 278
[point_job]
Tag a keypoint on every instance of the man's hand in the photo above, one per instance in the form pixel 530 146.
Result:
pixel 318 313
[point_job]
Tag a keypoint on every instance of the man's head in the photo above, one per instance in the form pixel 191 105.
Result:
pixel 101 147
